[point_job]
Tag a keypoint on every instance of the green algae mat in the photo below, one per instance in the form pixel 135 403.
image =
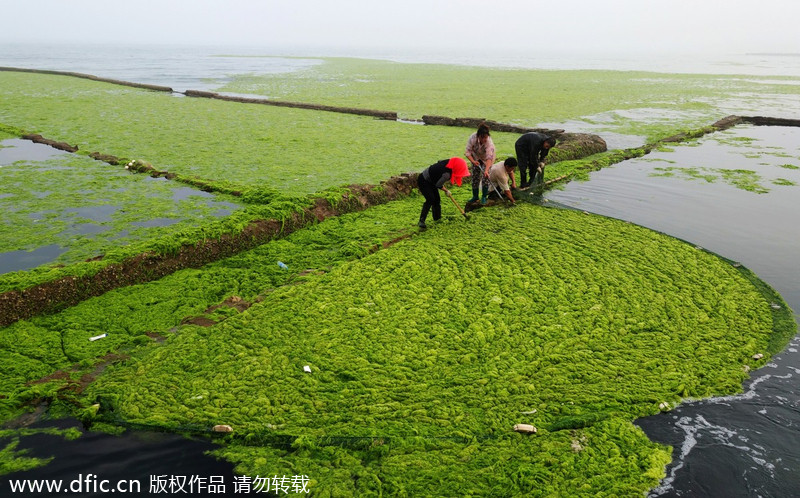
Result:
pixel 423 356
pixel 296 151
pixel 626 102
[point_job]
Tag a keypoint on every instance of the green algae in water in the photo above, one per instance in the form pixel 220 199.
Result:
pixel 58 200
pixel 730 143
pixel 741 179
pixel 585 315
pixel 631 103
pixel 296 151
pixel 540 96
pixel 14 460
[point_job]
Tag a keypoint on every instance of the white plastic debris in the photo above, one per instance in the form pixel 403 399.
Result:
pixel 758 356
pixel 525 428
pixel 664 406
pixel 222 428
pixel 530 412
pixel 307 369
pixel 98 337
pixel 775 306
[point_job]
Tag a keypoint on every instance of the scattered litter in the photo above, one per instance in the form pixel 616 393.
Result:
pixel 758 356
pixel 530 412
pixel 746 368
pixel 699 248
pixel 199 396
pixel 775 306
pixel 664 406
pixel 222 428
pixel 525 428
pixel 98 337
pixel 576 446
pixel 737 265
pixel 283 265
pixel 307 369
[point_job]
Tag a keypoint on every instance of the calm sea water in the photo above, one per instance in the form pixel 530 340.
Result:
pixel 734 446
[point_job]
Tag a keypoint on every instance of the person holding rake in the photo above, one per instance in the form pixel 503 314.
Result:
pixel 433 179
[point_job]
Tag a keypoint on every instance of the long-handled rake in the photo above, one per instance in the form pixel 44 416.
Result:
pixel 450 195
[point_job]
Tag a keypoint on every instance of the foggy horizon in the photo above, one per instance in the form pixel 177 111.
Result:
pixel 578 26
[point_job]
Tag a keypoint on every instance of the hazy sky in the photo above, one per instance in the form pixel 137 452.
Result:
pixel 677 26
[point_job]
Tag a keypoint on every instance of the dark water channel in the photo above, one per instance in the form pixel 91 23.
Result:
pixel 747 444
pixel 148 458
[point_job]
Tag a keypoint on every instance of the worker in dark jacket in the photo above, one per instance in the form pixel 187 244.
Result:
pixel 434 179
pixel 531 150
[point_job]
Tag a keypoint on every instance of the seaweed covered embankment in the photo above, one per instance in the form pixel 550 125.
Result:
pixel 93 278
pixel 69 290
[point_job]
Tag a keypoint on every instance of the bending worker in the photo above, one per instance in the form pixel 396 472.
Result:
pixel 531 150
pixel 480 148
pixel 433 179
pixel 499 175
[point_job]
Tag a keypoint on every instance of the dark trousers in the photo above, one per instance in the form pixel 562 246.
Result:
pixel 432 199
pixel 526 163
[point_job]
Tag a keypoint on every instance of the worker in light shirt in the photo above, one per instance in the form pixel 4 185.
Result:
pixel 499 174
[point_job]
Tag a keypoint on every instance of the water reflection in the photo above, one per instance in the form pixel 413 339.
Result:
pixel 17 149
pixel 25 260
pixel 135 456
